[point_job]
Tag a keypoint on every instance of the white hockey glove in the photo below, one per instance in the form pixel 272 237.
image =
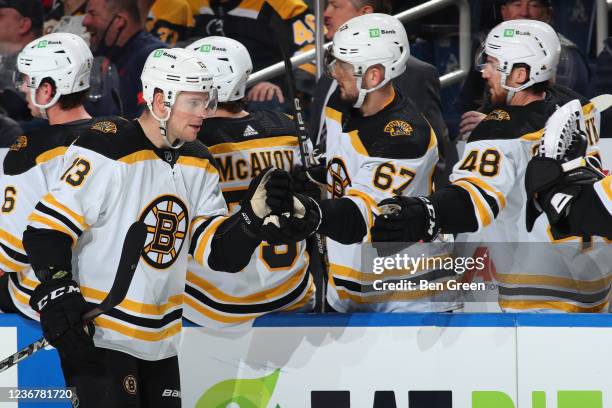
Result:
pixel 554 177
pixel 268 193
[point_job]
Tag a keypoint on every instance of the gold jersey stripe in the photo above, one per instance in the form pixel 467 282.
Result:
pixel 483 209
pixel 198 256
pixel 137 307
pixel 260 297
pixel 34 217
pixel 138 333
pixel 554 281
pixel 333 114
pixel 269 142
pixel 52 201
pixel 198 162
pixel 606 186
pixel 534 136
pixel 558 305
pixel 10 266
pixel 305 298
pixel 50 154
pixel 217 316
pixel 356 142
pixel 18 296
pixel 382 297
pixel 139 156
pixel 26 282
pixel 11 240
pixel 342 271
pixel 485 186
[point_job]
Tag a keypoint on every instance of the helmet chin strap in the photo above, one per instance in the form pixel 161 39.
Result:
pixel 163 129
pixel 364 92
pixel 43 108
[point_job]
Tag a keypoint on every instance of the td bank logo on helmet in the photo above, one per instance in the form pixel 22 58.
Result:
pixel 44 43
pixel 376 32
pixel 210 47
pixel 159 53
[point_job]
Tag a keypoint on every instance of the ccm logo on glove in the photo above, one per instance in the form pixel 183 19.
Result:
pixel 57 293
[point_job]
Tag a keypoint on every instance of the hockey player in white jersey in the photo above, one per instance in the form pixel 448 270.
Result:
pixel 487 194
pixel 151 169
pixel 54 74
pixel 378 145
pixel 277 278
pixel 566 185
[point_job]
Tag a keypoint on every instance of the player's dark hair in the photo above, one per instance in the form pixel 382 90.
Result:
pixel 70 101
pixel 129 6
pixel 378 6
pixel 234 106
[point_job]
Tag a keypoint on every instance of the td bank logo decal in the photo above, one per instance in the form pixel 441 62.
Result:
pixel 240 393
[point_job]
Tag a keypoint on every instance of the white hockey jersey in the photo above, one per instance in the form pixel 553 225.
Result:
pixel 277 277
pixel 369 159
pixel 30 166
pixel 534 271
pixel 113 175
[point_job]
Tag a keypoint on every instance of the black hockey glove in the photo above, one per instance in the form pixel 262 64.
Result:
pixel 405 219
pixel 268 193
pixel 304 222
pixel 61 307
pixel 310 181
pixel 552 189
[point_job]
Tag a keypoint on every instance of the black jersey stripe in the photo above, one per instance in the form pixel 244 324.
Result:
pixel 17 256
pixel 145 321
pixel 492 202
pixel 58 216
pixel 198 232
pixel 249 308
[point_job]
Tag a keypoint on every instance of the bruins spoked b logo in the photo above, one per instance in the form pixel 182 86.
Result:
pixel 167 223
pixel 340 179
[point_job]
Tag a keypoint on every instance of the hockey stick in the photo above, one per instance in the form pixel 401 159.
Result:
pixel 130 255
pixel 270 18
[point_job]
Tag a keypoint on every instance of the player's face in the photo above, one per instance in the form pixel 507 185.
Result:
pixel 337 13
pixel 342 72
pixel 189 111
pixel 40 97
pixel 525 9
pixel 97 19
pixel 491 74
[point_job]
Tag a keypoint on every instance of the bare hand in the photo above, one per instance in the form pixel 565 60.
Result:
pixel 265 91
pixel 469 120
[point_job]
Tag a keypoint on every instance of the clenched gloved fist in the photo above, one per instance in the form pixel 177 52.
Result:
pixel 405 219
pixel 268 193
pixel 297 226
pixel 61 307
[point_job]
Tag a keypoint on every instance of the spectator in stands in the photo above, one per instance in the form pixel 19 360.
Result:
pixel 572 72
pixel 171 21
pixel 117 33
pixel 601 83
pixel 420 82
pixel 237 19
pixel 21 21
